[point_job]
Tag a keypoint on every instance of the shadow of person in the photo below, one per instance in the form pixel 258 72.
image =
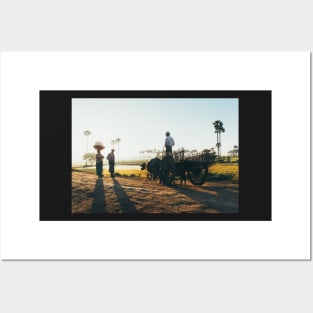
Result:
pixel 220 199
pixel 126 204
pixel 98 203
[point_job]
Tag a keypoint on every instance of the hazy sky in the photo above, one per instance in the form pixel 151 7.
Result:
pixel 141 124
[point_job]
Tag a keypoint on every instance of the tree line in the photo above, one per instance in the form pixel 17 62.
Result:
pixel 149 153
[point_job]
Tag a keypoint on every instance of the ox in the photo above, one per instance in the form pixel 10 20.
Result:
pixel 154 168
pixel 165 170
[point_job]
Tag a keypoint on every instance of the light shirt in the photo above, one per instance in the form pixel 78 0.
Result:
pixel 169 141
pixel 111 156
pixel 99 157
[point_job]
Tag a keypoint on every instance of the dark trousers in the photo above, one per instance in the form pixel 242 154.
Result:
pixel 168 149
pixel 111 167
pixel 99 168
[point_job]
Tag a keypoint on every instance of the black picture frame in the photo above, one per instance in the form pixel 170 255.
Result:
pixel 255 183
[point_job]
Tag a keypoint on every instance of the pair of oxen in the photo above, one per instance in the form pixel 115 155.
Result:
pixel 164 170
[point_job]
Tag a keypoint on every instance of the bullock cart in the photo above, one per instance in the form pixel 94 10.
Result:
pixel 194 167
pixel 180 165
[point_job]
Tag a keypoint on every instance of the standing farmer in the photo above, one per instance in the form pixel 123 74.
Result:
pixel 169 165
pixel 111 159
pixel 99 158
pixel 169 143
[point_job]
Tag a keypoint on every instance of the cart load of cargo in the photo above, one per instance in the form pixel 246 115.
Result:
pixel 180 164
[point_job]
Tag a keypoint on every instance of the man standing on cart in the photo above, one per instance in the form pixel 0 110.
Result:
pixel 169 143
pixel 169 166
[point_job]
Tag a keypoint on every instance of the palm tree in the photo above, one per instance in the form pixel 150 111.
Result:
pixel 218 125
pixel 87 133
pixel 218 146
pixel 113 142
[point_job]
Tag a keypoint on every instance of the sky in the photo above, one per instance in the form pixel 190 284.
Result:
pixel 141 124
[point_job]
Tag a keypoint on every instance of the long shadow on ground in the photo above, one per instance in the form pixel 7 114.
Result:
pixel 126 204
pixel 213 197
pixel 98 203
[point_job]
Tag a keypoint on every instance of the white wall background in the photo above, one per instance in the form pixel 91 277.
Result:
pixel 150 286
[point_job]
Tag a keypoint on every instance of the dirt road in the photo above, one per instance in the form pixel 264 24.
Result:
pixel 137 195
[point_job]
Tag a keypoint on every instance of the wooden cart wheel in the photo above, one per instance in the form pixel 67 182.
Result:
pixel 198 174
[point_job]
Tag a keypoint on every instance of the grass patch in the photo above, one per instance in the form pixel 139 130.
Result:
pixel 223 171
pixel 119 173
pixel 131 173
pixel 84 170
pixel 217 172
pixel 220 177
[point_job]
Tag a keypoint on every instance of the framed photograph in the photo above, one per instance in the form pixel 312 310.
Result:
pixel 230 175
pixel 203 177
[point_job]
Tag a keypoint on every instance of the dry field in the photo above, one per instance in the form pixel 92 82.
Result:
pixel 136 195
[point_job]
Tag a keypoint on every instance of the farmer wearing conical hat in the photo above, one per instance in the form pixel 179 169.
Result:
pixel 99 158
